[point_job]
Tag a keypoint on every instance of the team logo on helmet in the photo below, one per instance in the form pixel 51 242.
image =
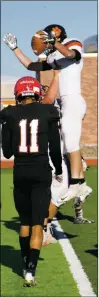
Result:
pixel 27 86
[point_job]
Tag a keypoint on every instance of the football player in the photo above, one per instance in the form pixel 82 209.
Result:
pixel 28 129
pixel 80 197
pixel 63 54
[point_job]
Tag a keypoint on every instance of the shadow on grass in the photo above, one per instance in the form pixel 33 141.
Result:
pixel 11 258
pixel 62 235
pixel 93 252
pixel 14 224
pixel 61 216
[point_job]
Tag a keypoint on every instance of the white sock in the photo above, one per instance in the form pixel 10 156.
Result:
pixel 29 276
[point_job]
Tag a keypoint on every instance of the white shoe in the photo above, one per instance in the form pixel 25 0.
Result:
pixel 29 280
pixel 48 236
pixel 71 193
pixel 84 191
pixel 82 220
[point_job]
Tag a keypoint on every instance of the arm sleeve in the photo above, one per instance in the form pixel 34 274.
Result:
pixel 54 142
pixel 7 141
pixel 4 114
pixel 78 55
pixel 39 66
pixel 75 45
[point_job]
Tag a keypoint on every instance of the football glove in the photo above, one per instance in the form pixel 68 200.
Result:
pixel 57 180
pixel 10 40
pixel 49 38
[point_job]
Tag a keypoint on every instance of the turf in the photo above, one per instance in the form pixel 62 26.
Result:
pixel 84 238
pixel 53 274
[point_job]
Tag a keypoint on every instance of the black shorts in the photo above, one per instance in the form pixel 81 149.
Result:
pixel 32 199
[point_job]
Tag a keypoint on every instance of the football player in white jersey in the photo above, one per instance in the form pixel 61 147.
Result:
pixel 65 55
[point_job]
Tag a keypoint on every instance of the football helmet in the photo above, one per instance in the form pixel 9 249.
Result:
pixel 27 86
pixel 59 31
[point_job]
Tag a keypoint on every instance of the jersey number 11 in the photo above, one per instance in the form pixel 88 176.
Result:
pixel 23 147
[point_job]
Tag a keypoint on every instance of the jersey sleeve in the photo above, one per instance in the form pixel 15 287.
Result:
pixel 39 66
pixel 54 141
pixel 75 45
pixel 7 141
pixel 4 114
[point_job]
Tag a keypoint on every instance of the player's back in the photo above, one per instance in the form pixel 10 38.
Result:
pixel 29 124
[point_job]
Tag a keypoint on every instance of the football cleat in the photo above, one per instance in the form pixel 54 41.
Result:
pixel 31 283
pixel 29 280
pixel 82 221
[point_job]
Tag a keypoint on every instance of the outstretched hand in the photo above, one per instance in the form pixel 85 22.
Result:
pixel 10 41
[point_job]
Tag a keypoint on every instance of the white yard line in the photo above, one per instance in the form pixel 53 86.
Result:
pixel 83 283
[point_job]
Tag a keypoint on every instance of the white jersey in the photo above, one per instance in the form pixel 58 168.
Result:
pixel 70 69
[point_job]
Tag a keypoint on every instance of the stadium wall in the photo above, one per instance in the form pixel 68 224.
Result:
pixel 89 91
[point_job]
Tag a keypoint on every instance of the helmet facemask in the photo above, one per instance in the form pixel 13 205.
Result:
pixel 59 31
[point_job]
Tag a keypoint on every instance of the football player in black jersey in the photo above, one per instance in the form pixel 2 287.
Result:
pixel 32 128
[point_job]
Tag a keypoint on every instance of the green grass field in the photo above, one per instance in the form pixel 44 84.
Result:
pixel 53 275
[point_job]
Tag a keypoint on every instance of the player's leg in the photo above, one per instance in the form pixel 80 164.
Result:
pixel 78 219
pixel 40 196
pixel 71 129
pixel 35 246
pixel 23 207
pixel 57 190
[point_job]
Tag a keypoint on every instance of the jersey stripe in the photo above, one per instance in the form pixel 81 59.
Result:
pixel 73 43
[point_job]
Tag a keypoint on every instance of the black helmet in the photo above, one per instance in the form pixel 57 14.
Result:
pixel 62 35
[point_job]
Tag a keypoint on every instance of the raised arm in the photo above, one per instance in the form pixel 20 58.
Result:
pixel 21 57
pixel 52 91
pixel 11 42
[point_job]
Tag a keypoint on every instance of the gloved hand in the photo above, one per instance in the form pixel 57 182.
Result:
pixel 49 38
pixel 57 180
pixel 10 40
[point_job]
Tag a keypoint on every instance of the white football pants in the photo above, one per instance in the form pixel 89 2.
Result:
pixel 73 111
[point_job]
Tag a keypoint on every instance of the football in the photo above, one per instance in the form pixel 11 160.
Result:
pixel 36 42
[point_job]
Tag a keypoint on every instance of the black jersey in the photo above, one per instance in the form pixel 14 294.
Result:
pixel 33 128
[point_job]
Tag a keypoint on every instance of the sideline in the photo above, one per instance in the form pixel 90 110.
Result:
pixel 83 284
